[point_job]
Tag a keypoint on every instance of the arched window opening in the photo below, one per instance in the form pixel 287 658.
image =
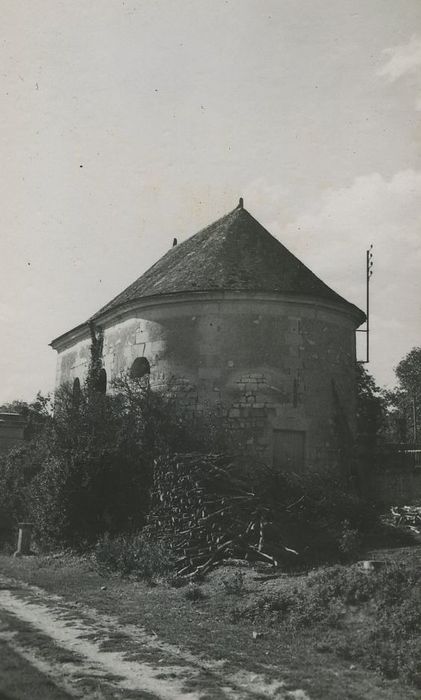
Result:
pixel 140 368
pixel 76 391
pixel 101 384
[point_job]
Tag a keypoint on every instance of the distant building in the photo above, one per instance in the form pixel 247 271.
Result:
pixel 236 320
pixel 12 431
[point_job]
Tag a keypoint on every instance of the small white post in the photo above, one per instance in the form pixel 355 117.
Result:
pixel 24 540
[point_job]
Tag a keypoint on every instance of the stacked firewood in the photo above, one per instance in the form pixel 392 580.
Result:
pixel 209 511
pixel 407 516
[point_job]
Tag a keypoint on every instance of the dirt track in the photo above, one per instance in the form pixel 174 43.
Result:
pixel 91 656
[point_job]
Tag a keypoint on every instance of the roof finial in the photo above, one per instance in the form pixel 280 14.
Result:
pixel 241 203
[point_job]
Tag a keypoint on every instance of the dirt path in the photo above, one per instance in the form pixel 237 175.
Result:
pixel 89 655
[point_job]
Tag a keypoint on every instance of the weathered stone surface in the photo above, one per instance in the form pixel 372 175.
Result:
pixel 260 385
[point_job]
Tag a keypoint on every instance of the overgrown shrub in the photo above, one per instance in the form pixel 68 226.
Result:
pixel 136 554
pixel 88 468
pixel 95 475
pixel 350 540
pixel 194 593
pixel 327 520
pixel 319 512
pixel 233 584
pixel 18 468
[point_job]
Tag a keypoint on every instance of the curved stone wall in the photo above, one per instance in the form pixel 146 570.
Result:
pixel 282 369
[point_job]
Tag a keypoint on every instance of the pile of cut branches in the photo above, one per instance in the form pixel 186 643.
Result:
pixel 209 510
pixel 407 516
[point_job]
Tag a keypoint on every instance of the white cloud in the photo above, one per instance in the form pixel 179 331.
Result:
pixel 402 59
pixel 332 240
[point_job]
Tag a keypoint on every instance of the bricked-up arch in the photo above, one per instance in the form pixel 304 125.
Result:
pixel 140 368
pixel 76 391
pixel 101 383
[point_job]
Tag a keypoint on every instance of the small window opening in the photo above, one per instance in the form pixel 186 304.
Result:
pixel 101 384
pixel 140 368
pixel 76 391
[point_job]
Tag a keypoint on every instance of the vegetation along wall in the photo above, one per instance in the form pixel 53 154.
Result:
pixel 282 369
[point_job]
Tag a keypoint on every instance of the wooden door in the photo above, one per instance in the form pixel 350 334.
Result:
pixel 289 450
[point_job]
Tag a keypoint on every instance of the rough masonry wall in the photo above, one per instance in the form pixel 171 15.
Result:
pixel 269 365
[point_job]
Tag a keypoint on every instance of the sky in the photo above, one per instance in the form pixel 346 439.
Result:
pixel 126 123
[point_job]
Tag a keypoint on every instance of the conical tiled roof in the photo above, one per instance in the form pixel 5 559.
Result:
pixel 234 253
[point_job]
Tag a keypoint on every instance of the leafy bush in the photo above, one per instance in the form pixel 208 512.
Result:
pixel 95 475
pixel 323 517
pixel 350 540
pixel 18 468
pixel 234 583
pixel 88 467
pixel 136 554
pixel 194 593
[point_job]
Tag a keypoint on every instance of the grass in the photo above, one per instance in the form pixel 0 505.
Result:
pixel 135 554
pixel 305 655
pixel 369 618
pixel 18 679
pixel 194 593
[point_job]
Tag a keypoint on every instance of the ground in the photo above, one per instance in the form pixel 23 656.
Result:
pixel 70 631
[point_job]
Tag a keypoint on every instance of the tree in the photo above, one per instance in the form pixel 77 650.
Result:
pixel 97 470
pixel 405 399
pixel 21 464
pixel 87 468
pixel 408 371
pixel 36 412
pixel 371 410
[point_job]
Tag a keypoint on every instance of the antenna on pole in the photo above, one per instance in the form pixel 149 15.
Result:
pixel 369 273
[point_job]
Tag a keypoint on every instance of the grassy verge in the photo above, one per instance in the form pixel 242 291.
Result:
pixel 254 623
pixel 19 679
pixel 372 618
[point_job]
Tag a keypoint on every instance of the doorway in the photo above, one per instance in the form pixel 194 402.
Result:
pixel 289 450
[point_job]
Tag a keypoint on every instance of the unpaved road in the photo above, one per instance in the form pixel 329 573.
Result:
pixel 54 649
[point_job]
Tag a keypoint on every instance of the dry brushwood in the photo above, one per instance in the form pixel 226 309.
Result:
pixel 209 512
pixel 407 516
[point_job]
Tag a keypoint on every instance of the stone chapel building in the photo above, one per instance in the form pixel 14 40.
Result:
pixel 231 318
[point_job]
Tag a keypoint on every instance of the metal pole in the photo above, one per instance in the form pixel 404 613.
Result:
pixel 414 417
pixel 366 330
pixel 368 305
